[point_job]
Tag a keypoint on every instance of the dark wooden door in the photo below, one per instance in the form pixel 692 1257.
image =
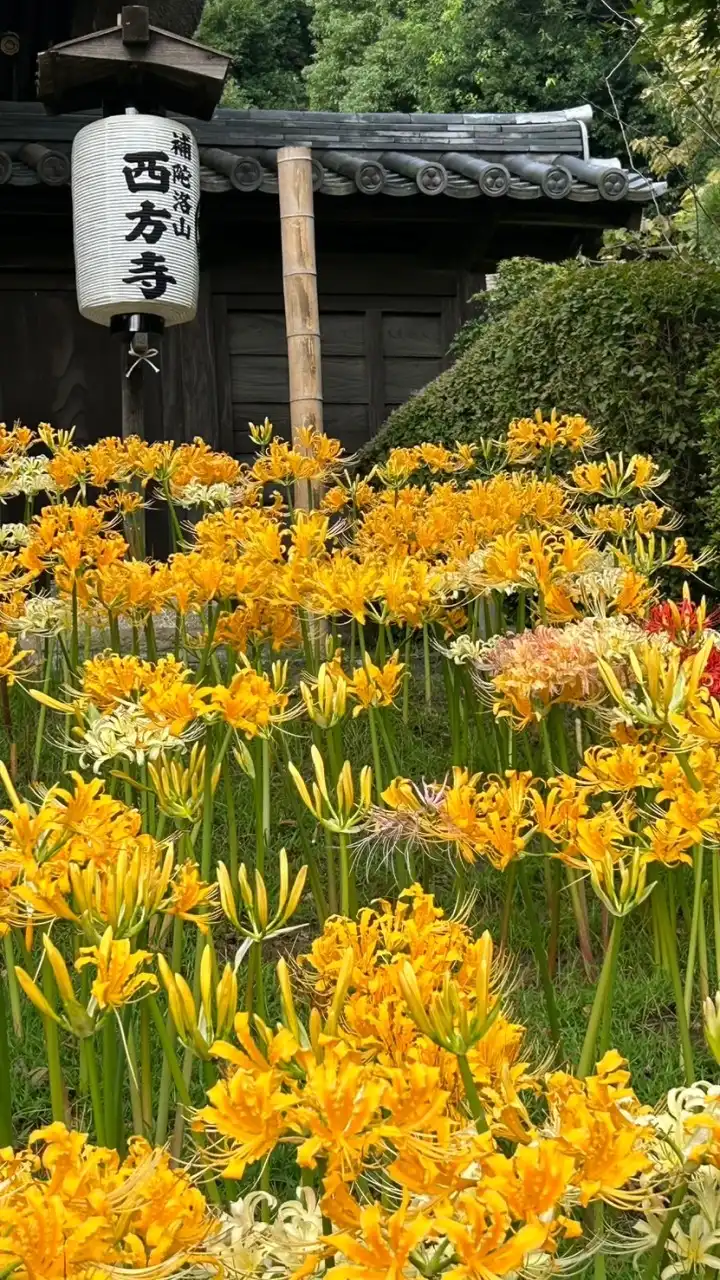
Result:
pixel 373 358
pixel 54 366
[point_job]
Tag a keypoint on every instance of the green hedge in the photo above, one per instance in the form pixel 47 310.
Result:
pixel 632 345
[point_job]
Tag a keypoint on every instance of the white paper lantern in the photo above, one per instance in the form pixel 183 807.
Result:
pixel 136 191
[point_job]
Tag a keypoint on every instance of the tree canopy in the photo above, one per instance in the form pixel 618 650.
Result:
pixel 270 45
pixel 475 55
pixel 433 55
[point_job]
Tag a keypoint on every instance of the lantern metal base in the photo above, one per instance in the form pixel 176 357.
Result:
pixel 126 326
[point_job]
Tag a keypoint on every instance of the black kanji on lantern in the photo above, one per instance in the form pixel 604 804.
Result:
pixel 147 171
pixel 182 175
pixel 150 273
pixel 182 202
pixel 182 146
pixel 182 228
pixel 151 222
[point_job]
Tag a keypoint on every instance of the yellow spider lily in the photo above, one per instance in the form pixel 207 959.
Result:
pixel 77 1019
pixel 255 900
pixel 342 814
pixel 218 1004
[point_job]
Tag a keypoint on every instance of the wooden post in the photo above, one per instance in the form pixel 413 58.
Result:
pixel 302 314
pixel 133 406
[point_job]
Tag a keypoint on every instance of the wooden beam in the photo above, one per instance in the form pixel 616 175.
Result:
pixel 135 21
pixel 302 314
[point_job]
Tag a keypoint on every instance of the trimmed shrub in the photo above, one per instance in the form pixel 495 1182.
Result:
pixel 632 345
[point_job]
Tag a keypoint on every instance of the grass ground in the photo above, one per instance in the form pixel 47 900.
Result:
pixel 643 1022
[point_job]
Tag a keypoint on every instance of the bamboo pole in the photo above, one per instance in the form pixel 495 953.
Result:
pixel 302 314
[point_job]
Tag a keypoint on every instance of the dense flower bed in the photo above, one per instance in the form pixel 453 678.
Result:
pixel 382 1062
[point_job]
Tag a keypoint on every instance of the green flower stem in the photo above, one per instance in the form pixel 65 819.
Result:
pixel 207 815
pixel 168 1049
pixel 606 1027
pixel 345 877
pixel 603 995
pixel 75 637
pixel 13 986
pixel 6 1130
pixel 698 858
pixel 471 1093
pixel 134 1082
pixel 266 774
pixel 716 914
pixel 212 622
pixel 668 930
pixel 40 734
pixel 146 1079
pixel 110 1065
pixel 576 885
pixel 657 1253
pixel 87 1048
pixel 52 1045
pixel 385 734
pixel 510 886
pixel 308 851
pixel 426 665
pixel 183 1092
pixel 150 641
pixel 540 955
pixel 407 656
pixel 231 822
pixel 163 1103
pixel 258 793
pixel 599 1268
pixel 377 764
pixel 521 612
pixel 702 948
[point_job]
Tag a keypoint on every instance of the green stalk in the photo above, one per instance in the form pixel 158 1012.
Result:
pixel 716 914
pixel 134 1082
pixel 6 1110
pixel 207 815
pixel 13 986
pixel 471 1093
pixel 599 1268
pixel 606 1028
pixel 394 770
pixel 231 822
pixel 75 637
pixel 87 1049
pixel 308 851
pixel 266 769
pixel 603 995
pixel 150 641
pixel 576 885
pixel 163 1104
pixel 655 1257
pixel 52 1046
pixel 668 930
pixel 345 906
pixel 110 1066
pixel 406 677
pixel 698 856
pixel 540 956
pixel 426 665
pixel 146 1082
pixel 377 764
pixel 40 733
pixel 453 712
pixel 702 949
pixel 168 1049
pixel 510 885
pixel 259 795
